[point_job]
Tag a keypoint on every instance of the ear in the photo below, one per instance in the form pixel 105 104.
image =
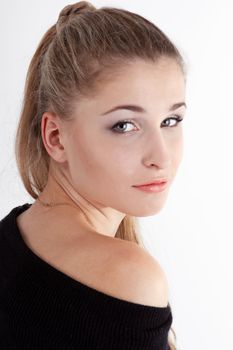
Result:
pixel 52 136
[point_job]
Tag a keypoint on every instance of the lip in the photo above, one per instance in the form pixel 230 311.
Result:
pixel 156 182
pixel 154 187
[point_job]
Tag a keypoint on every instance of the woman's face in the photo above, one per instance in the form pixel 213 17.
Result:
pixel 106 159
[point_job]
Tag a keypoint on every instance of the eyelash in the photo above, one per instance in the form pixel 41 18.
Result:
pixel 178 120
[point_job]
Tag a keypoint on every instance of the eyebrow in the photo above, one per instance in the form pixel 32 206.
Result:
pixel 139 109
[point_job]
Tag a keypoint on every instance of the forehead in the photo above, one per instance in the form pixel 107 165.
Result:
pixel 161 78
pixel 153 85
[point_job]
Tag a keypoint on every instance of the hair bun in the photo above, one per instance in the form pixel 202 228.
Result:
pixel 70 10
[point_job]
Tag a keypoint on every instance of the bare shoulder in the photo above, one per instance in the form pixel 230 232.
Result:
pixel 138 276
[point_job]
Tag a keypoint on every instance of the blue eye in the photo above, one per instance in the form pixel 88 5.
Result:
pixel 178 119
pixel 122 123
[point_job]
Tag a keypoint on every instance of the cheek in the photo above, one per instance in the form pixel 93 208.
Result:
pixel 177 153
pixel 102 173
pixel 100 161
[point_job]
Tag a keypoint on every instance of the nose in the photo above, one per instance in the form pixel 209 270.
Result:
pixel 157 151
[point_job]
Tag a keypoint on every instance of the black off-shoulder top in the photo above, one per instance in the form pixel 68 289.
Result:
pixel 43 308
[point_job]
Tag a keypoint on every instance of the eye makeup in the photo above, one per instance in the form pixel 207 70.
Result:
pixel 177 118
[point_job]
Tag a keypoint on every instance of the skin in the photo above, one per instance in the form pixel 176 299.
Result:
pixel 94 168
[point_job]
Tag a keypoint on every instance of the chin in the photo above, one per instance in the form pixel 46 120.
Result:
pixel 143 212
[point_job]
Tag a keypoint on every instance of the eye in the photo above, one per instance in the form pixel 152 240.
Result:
pixel 122 123
pixel 178 119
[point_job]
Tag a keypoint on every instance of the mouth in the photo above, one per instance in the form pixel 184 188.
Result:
pixel 157 182
pixel 154 187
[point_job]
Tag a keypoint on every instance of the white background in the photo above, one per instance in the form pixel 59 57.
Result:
pixel 191 236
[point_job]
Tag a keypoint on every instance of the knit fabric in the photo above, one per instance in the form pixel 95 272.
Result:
pixel 43 308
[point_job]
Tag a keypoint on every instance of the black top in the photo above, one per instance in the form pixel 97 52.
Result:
pixel 43 308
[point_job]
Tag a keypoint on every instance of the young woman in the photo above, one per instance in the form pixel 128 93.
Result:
pixel 102 111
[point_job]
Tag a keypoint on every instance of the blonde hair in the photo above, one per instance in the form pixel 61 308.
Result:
pixel 77 53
